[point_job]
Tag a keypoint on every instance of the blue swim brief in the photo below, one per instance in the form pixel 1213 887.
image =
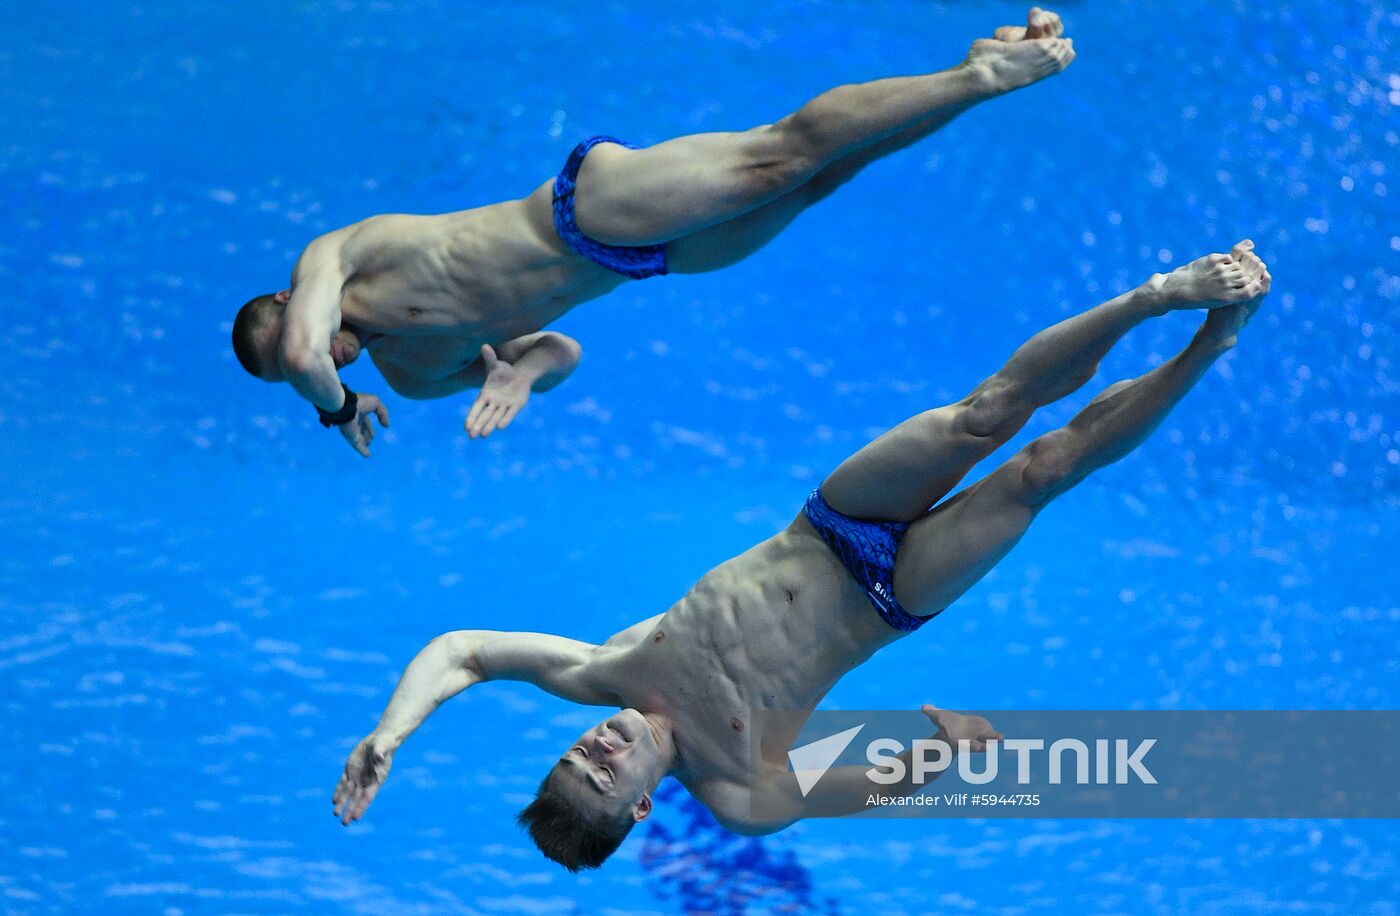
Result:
pixel 867 550
pixel 637 262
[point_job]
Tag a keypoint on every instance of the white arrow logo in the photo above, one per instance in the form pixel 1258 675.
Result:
pixel 811 761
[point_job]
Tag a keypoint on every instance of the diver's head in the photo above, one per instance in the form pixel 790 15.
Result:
pixel 257 338
pixel 597 791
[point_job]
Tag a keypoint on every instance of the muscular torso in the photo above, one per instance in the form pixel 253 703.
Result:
pixel 772 629
pixel 427 291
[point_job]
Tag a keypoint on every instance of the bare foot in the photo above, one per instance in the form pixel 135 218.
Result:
pixel 1039 24
pixel 1213 281
pixel 1225 322
pixel 1008 65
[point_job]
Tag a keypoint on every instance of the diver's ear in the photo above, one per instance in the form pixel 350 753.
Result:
pixel 283 297
pixel 642 808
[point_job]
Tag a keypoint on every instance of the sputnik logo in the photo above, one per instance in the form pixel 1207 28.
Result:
pixel 811 761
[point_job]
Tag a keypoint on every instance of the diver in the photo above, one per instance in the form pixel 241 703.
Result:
pixel 454 301
pixel 866 563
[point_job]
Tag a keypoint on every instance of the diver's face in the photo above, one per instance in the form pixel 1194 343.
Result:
pixel 611 768
pixel 345 348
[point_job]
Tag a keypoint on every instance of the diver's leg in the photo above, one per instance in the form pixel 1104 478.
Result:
pixel 663 192
pixel 735 239
pixel 906 470
pixel 731 241
pixel 950 549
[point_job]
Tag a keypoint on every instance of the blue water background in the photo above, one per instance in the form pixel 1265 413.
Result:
pixel 205 599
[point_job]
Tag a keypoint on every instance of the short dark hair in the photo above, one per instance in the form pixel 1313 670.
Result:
pixel 568 837
pixel 256 314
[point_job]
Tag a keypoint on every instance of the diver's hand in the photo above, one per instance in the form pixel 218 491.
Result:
pixel 365 772
pixel 504 392
pixel 954 726
pixel 359 432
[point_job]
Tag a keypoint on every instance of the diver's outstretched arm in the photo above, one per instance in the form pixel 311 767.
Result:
pixel 444 668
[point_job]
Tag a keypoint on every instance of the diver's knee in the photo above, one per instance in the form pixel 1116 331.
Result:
pixel 1046 467
pixel 995 410
pixel 776 159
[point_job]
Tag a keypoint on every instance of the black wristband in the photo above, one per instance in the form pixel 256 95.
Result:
pixel 347 412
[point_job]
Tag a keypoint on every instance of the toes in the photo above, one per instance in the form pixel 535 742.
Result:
pixel 1059 52
pixel 1010 33
pixel 1043 24
pixel 1035 23
pixel 1217 258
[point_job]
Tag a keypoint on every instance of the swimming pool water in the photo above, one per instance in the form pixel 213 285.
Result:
pixel 205 599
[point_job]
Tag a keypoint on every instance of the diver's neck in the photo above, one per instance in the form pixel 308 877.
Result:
pixel 660 726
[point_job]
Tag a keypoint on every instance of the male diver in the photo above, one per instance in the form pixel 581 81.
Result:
pixel 459 300
pixel 777 626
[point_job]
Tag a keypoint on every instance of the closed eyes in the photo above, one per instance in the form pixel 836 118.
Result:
pixel 600 766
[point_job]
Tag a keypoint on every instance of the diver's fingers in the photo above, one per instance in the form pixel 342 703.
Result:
pixel 511 411
pixel 488 422
pixel 474 415
pixel 484 422
pixel 362 803
pixel 488 355
pixel 344 794
pixel 342 791
pixel 347 813
pixel 382 413
pixel 354 437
